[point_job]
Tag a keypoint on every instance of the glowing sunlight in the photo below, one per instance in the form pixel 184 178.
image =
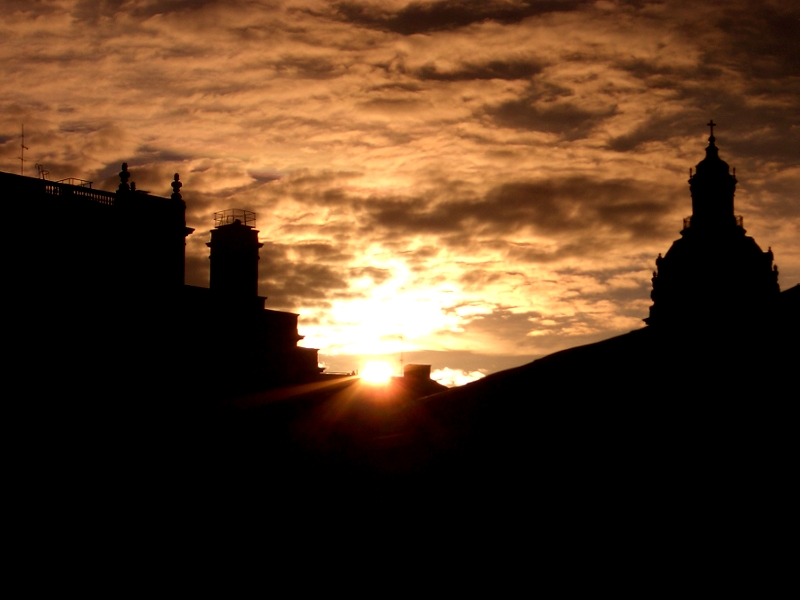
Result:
pixel 377 372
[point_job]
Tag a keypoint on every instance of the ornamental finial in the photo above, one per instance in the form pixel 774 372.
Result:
pixel 176 188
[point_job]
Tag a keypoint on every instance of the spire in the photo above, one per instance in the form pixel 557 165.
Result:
pixel 712 152
pixel 712 162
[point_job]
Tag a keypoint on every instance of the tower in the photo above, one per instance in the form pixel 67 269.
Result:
pixel 250 347
pixel 714 274
pixel 234 254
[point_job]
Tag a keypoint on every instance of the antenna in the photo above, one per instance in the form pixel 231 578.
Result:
pixel 402 342
pixel 22 148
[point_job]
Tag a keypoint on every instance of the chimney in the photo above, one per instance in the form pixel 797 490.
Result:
pixel 417 372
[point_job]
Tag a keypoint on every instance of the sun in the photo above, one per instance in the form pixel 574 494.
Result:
pixel 377 372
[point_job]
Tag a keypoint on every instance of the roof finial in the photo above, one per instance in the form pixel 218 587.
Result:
pixel 124 175
pixel 176 188
pixel 711 124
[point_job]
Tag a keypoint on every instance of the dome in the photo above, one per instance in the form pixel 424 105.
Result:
pixel 714 273
pixel 712 164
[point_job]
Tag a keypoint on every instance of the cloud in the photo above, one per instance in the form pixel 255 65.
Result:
pixel 494 69
pixel 563 118
pixel 526 160
pixel 290 283
pixel 455 377
pixel 575 206
pixel 377 276
pixel 93 11
pixel 761 39
pixel 426 17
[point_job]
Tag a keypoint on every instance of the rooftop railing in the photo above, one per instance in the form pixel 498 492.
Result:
pixel 231 215
pixel 57 188
pixel 65 189
pixel 76 182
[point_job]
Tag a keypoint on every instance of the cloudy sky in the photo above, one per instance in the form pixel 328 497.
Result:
pixel 475 184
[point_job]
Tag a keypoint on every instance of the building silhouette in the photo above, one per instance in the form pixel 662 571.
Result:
pixel 95 282
pixel 100 313
pixel 248 347
pixel 698 400
pixel 667 427
pixel 714 273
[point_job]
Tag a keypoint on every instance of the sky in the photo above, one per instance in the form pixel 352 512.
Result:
pixel 471 185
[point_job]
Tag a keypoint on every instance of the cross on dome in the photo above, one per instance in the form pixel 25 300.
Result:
pixel 711 124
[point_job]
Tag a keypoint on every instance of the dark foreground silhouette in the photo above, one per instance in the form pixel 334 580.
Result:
pixel 705 396
pixel 645 403
pixel 686 425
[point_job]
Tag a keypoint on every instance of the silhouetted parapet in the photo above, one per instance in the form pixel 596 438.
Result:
pixel 234 254
pixel 714 273
pixel 112 241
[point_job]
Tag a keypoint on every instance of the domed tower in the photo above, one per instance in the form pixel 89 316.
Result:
pixel 715 273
